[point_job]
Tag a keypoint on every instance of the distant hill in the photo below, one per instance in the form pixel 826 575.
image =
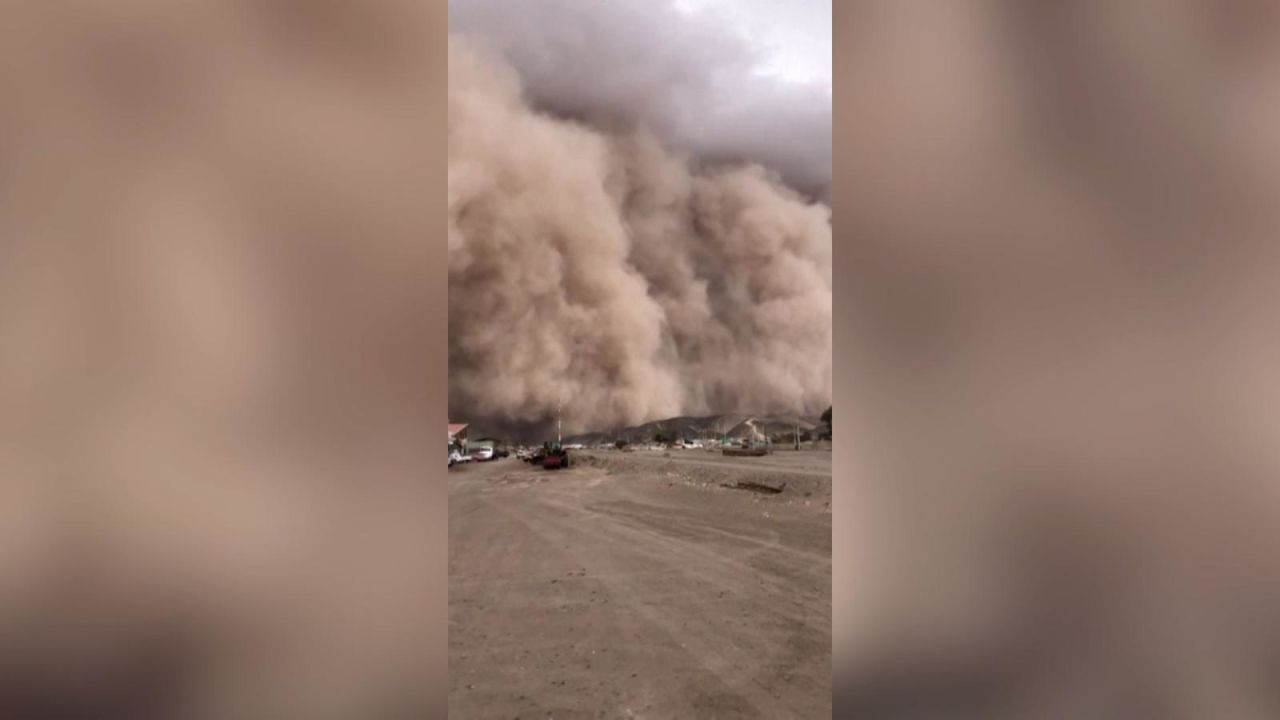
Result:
pixel 740 425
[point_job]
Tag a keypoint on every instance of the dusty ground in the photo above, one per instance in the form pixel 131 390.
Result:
pixel 634 585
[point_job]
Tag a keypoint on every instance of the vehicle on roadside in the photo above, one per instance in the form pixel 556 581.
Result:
pixel 456 456
pixel 745 448
pixel 556 458
pixel 483 453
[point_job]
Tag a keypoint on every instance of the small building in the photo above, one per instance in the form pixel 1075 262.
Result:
pixel 458 436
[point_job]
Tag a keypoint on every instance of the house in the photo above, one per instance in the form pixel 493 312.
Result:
pixel 458 436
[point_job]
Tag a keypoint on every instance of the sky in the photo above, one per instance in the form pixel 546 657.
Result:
pixel 726 81
pixel 794 38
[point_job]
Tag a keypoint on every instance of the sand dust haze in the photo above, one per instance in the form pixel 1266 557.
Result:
pixel 598 268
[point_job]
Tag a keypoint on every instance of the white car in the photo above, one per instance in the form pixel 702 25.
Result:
pixel 483 453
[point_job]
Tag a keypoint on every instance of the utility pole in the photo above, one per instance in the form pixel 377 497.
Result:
pixel 559 439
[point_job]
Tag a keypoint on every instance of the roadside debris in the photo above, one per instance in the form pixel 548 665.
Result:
pixel 755 487
pixel 749 451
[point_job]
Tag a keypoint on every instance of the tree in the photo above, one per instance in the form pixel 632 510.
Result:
pixel 620 444
pixel 826 416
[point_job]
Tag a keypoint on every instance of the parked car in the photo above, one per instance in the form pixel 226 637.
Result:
pixel 483 453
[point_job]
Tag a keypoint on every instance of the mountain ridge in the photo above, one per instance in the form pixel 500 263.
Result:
pixel 704 427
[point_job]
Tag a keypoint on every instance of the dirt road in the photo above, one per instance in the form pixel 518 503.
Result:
pixel 636 591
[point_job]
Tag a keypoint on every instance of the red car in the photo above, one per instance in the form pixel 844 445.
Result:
pixel 556 458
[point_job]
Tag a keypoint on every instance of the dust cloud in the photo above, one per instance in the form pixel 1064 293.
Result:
pixel 599 269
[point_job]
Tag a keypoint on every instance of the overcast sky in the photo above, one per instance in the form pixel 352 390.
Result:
pixel 793 38
pixel 726 80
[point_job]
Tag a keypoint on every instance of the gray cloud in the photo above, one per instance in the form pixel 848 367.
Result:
pixel 688 77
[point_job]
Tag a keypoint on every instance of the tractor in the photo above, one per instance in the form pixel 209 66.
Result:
pixel 554 457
